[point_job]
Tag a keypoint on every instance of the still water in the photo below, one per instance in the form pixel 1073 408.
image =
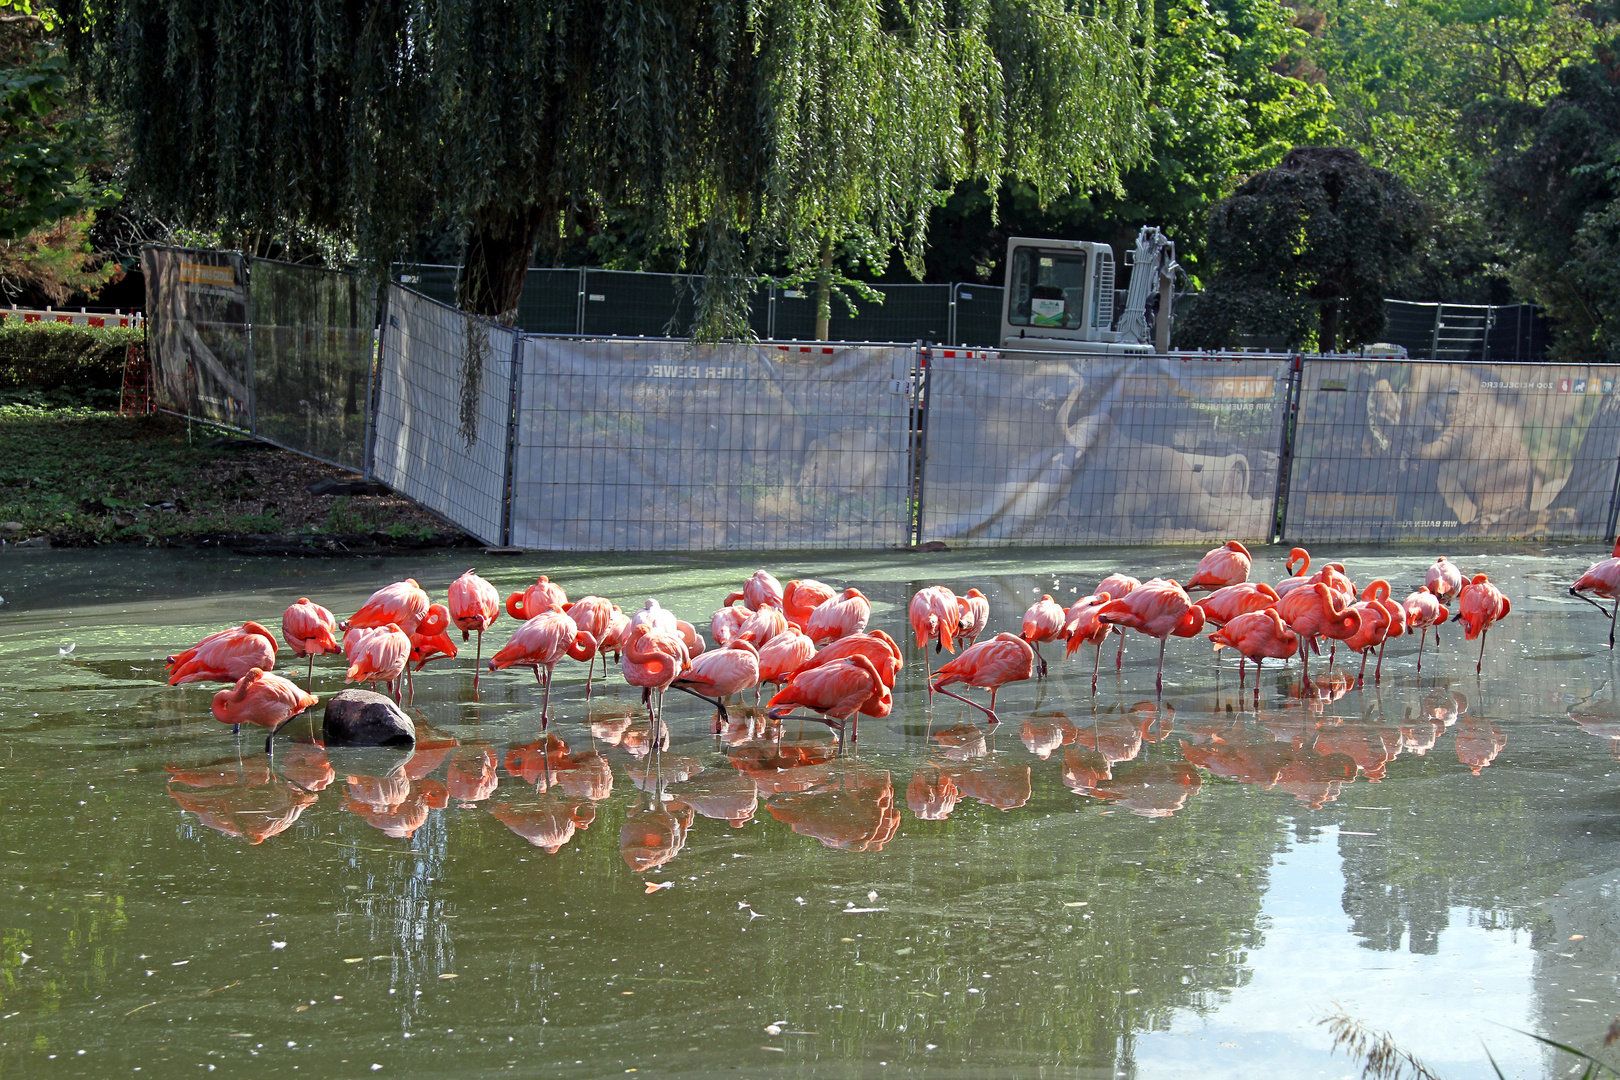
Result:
pixel 1102 886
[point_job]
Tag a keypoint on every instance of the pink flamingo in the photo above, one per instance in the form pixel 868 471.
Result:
pixel 726 622
pixel 1478 606
pixel 1082 627
pixel 261 698
pixel 377 654
pixel 1297 577
pixel 801 597
pixel 1315 612
pixel 1114 586
pixel 839 617
pixel 1159 608
pixel 1223 605
pixel 1423 610
pixel 541 643
pixel 309 630
pixel 783 655
pixel 989 665
pixel 881 649
pixel 841 692
pixel 431 639
pixel 1043 622
pixel 1603 580
pixel 403 604
pixel 1226 565
pixel 474 606
pixel 1381 619
pixel 1444 579
pixel 935 616
pixel 1257 635
pixel 544 595
pixel 717 675
pixel 225 656
pixel 593 615
pixel 761 590
pixel 973 615
pixel 653 660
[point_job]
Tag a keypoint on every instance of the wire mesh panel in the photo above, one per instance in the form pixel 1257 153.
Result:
pixel 907 313
pixel 627 304
pixel 444 411
pixel 644 445
pixel 1415 451
pixel 197 320
pixel 978 315
pixel 312 351
pixel 1102 449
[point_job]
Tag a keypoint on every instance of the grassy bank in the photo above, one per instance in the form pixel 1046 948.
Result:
pixel 81 475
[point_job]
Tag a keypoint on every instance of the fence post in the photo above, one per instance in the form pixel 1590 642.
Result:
pixel 770 312
pixel 374 384
pixel 1434 342
pixel 579 305
pixel 919 443
pixel 252 376
pixel 1285 450
pixel 950 319
pixel 514 409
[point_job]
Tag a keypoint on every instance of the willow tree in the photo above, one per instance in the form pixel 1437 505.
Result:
pixel 740 132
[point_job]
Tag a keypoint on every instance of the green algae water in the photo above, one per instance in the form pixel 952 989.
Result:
pixel 1103 885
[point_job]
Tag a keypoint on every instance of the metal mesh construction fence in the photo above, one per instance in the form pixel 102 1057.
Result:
pixel 1101 450
pixel 631 445
pixel 312 356
pixel 197 333
pixel 1411 451
pixel 444 411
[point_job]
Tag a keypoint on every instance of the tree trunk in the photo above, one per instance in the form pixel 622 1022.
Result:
pixel 824 290
pixel 496 260
pixel 1328 340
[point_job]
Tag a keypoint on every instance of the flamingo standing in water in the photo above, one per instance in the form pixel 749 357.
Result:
pixel 403 604
pixel 432 639
pixel 474 606
pixel 973 615
pixel 783 655
pixel 1381 619
pixel 309 630
pixel 261 698
pixel 1423 610
pixel 761 590
pixel 653 660
pixel 881 649
pixel 1444 579
pixel 1317 611
pixel 1478 606
pixel 593 615
pixel 935 616
pixel 838 617
pixel 989 665
pixel 1226 565
pixel 541 643
pixel 717 675
pixel 1298 577
pixel 725 623
pixel 841 691
pixel 1159 608
pixel 544 595
pixel 1114 586
pixel 1257 635
pixel 377 654
pixel 1044 621
pixel 1082 627
pixel 225 656
pixel 801 597
pixel 1602 579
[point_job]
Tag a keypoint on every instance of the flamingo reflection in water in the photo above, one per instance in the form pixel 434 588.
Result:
pixel 471 776
pixel 856 811
pixel 548 820
pixel 721 796
pixel 239 796
pixel 932 793
pixel 1479 741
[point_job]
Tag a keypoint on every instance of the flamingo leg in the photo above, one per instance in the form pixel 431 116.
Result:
pixel 1362 674
pixel 1256 682
pixel 718 703
pixel 478 659
pixel 990 713
pixel 1612 615
pixel 1305 661
pixel 1041 658
pixel 1158 680
pixel 309 680
pixel 1119 659
pixel 1423 636
pixel 590 670
pixel 1096 665
pixel 1480 665
pixel 1378 669
pixel 1243 669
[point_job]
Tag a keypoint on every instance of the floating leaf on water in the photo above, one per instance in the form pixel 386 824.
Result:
pixel 1577 937
pixel 1076 903
pixel 448 975
pixel 302 1008
pixel 278 944
pixel 353 959
pixel 66 650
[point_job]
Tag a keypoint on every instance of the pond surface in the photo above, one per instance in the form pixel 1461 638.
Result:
pixel 1103 886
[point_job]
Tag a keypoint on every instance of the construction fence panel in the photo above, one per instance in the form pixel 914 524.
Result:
pixel 621 303
pixel 1409 450
pixel 906 313
pixel 444 409
pixel 197 308
pixel 978 315
pixel 1102 450
pixel 627 445
pixel 312 356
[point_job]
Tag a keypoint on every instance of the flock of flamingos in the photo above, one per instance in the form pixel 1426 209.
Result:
pixel 811 641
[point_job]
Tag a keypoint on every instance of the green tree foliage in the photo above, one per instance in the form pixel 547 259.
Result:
pixel 1227 100
pixel 1421 88
pixel 1310 244
pixel 745 133
pixel 1559 194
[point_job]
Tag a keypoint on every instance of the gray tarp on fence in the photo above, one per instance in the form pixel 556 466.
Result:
pixel 645 445
pixel 312 352
pixel 1102 450
pixel 1411 451
pixel 444 400
pixel 197 314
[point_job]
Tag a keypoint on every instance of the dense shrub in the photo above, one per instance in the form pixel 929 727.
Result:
pixel 50 354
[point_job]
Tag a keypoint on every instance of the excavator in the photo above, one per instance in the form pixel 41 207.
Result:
pixel 1059 297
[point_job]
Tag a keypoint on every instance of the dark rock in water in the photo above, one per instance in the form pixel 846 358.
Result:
pixel 366 718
